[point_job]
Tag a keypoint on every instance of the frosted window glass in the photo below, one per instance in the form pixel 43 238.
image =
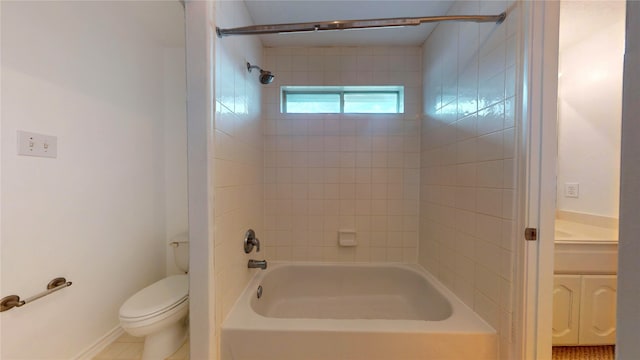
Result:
pixel 342 99
pixel 313 103
pixel 371 102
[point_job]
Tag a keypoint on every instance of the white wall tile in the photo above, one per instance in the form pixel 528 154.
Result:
pixel 243 144
pixel 467 159
pixel 360 171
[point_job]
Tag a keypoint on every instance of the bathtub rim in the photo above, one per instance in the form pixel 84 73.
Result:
pixel 463 319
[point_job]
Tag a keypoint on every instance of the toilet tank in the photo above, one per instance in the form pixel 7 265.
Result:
pixel 180 246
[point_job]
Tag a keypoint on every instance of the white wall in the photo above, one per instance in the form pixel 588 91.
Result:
pixel 238 157
pixel 469 127
pixel 628 325
pixel 175 150
pixel 92 75
pixel 329 172
pixel 590 110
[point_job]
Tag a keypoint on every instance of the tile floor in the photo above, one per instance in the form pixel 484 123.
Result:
pixel 128 347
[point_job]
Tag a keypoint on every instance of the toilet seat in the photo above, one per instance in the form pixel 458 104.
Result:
pixel 156 299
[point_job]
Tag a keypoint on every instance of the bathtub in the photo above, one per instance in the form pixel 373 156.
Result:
pixel 360 311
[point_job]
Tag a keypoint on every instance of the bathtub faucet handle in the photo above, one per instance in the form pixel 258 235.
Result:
pixel 250 240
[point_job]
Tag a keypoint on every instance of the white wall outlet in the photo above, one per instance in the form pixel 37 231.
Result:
pixel 572 190
pixel 32 144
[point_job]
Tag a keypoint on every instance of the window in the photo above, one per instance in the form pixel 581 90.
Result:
pixel 343 99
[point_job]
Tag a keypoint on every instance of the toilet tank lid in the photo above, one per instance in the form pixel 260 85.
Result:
pixel 157 297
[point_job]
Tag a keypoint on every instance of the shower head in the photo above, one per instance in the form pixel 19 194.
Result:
pixel 266 77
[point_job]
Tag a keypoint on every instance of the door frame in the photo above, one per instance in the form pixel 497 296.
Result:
pixel 537 178
pixel 200 58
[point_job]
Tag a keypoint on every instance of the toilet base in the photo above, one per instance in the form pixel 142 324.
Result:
pixel 162 344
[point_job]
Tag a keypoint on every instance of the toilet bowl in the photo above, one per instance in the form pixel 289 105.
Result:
pixel 158 313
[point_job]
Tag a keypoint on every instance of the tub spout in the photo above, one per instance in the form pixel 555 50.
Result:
pixel 254 264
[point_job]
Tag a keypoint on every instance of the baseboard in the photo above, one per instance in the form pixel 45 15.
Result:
pixel 94 349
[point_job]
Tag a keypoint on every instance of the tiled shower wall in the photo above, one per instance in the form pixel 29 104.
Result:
pixel 467 163
pixel 238 157
pixel 329 172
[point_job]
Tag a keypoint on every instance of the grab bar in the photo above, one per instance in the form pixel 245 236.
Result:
pixel 11 301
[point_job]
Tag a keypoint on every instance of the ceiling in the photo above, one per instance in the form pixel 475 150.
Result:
pixel 265 12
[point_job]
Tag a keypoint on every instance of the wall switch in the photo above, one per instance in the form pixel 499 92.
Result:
pixel 32 144
pixel 572 190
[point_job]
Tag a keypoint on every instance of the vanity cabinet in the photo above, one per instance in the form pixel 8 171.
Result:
pixel 566 309
pixel 584 309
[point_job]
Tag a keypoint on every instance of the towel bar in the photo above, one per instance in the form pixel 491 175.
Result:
pixel 11 301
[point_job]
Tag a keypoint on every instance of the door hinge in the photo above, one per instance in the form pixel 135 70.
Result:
pixel 531 234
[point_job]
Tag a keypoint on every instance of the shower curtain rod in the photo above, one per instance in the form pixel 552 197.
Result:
pixel 353 24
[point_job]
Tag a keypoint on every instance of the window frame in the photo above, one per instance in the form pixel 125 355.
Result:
pixel 398 91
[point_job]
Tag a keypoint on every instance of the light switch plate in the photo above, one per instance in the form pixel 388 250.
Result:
pixel 572 190
pixel 32 144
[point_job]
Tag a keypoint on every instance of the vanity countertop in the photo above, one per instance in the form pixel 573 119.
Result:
pixel 585 244
pixel 575 232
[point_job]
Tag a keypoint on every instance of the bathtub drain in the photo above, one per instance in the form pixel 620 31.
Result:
pixel 259 291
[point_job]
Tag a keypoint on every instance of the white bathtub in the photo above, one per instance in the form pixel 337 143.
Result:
pixel 339 311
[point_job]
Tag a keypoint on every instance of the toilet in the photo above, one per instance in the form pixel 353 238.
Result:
pixel 159 312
